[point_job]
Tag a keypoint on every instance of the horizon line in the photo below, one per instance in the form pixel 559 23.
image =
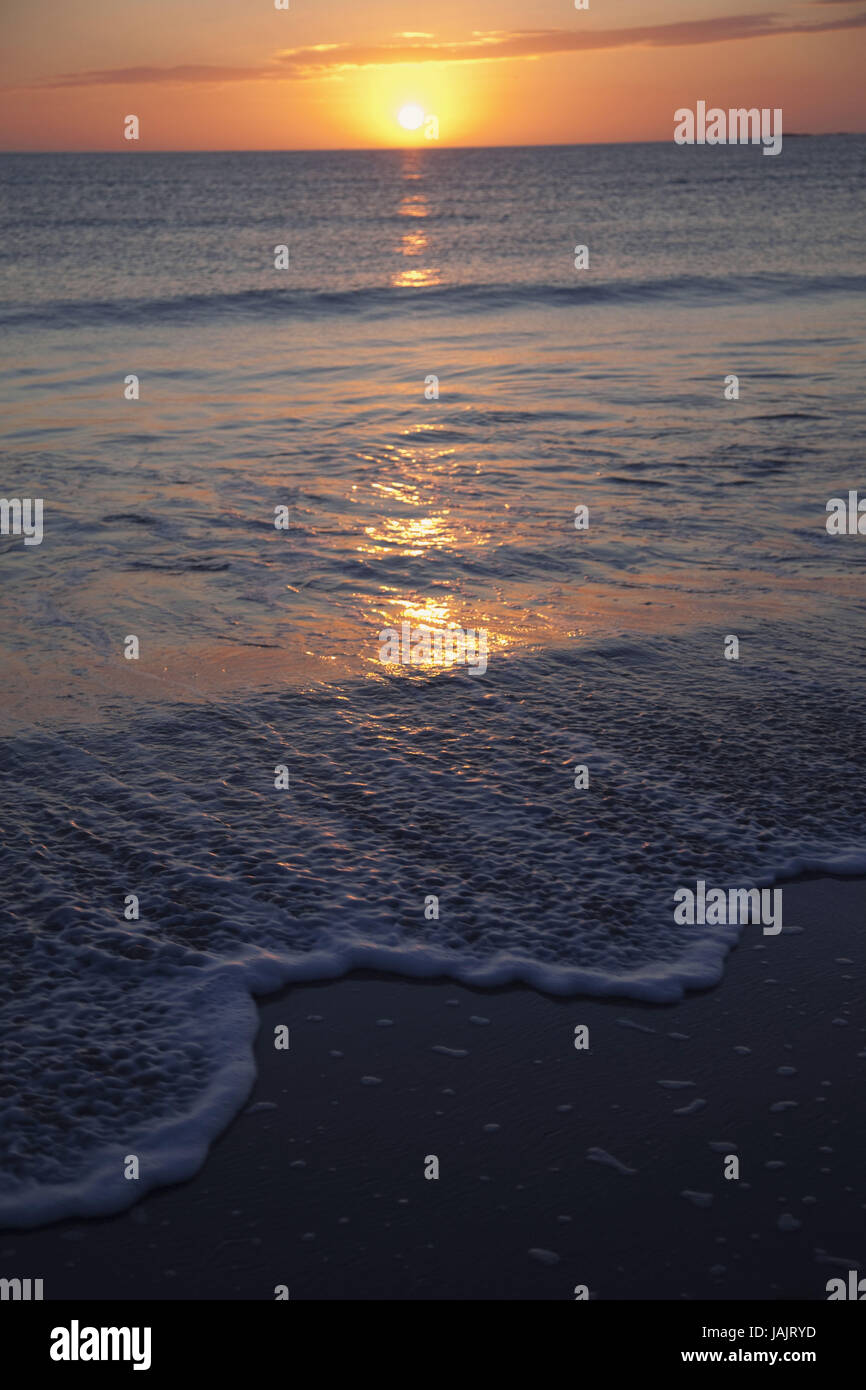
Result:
pixel 404 149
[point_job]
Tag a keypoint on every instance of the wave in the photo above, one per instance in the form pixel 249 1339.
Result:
pixel 134 1037
pixel 384 300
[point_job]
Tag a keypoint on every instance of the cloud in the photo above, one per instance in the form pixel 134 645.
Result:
pixel 328 60
pixel 133 77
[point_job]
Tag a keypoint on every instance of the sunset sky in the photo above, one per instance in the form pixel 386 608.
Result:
pixel 334 74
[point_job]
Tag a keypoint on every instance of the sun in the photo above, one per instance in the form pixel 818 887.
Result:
pixel 411 117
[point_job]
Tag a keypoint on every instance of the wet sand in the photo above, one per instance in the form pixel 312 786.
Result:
pixel 558 1166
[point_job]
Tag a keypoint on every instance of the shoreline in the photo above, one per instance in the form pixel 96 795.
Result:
pixel 558 1167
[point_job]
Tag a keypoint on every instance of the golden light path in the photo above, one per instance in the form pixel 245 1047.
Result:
pixel 415 243
pixel 412 537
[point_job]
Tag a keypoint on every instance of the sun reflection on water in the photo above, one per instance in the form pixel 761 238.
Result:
pixel 415 242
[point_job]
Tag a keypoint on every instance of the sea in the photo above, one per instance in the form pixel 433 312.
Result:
pixel 276 405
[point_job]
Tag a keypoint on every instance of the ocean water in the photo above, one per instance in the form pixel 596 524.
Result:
pixel 306 388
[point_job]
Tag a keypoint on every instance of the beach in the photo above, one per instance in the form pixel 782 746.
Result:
pixel 558 1167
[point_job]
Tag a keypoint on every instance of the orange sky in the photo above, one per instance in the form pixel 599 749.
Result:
pixel 333 74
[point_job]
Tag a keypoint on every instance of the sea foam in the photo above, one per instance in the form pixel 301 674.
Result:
pixel 136 1037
